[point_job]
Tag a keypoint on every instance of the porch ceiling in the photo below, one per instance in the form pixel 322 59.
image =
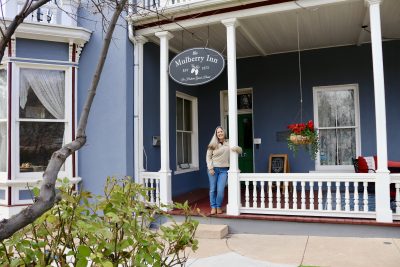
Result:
pixel 323 26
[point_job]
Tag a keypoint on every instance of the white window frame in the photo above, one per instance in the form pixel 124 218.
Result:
pixel 355 88
pixel 224 110
pixel 194 165
pixel 3 175
pixel 15 165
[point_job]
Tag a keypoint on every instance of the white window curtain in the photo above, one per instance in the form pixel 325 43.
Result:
pixel 3 146
pixel 337 124
pixel 49 87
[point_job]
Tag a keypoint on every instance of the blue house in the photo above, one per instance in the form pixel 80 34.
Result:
pixel 333 62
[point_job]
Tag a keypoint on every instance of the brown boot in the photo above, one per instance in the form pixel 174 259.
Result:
pixel 213 211
pixel 219 211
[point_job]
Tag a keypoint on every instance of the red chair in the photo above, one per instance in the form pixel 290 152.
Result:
pixel 361 166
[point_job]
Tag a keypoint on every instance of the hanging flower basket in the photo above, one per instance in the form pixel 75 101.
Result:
pixel 298 139
pixel 303 135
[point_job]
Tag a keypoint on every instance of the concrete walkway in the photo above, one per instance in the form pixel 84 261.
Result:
pixel 242 250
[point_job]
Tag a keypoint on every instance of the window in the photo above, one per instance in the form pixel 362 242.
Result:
pixel 336 114
pixel 3 120
pixel 186 132
pixel 42 117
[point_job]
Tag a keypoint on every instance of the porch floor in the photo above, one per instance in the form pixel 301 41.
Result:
pixel 200 206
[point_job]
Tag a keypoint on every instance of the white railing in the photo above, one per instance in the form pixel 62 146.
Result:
pixel 151 180
pixel 45 14
pixel 309 194
pixel 54 12
pixel 395 185
pixel 164 4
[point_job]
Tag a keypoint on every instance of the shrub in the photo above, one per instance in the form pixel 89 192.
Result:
pixel 110 230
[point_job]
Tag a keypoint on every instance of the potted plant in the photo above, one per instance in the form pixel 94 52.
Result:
pixel 303 134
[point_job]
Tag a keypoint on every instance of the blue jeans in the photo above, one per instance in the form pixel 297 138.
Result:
pixel 217 186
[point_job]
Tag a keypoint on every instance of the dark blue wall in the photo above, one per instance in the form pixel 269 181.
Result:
pixel 27 48
pixel 276 102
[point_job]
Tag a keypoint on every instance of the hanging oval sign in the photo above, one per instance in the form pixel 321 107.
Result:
pixel 196 66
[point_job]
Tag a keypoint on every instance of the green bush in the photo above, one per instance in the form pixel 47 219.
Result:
pixel 109 230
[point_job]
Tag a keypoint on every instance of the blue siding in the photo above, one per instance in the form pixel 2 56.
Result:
pixel 27 48
pixel 275 83
pixel 109 148
pixel 391 57
pixel 25 194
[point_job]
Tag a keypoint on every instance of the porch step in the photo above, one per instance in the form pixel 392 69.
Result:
pixel 212 231
pixel 208 231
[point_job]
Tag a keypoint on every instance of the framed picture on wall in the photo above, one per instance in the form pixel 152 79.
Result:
pixel 244 101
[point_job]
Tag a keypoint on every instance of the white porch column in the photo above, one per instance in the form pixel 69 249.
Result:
pixel 382 194
pixel 139 41
pixel 165 172
pixel 233 173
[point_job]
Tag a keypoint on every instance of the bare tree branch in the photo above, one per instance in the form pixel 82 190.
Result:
pixel 48 197
pixel 28 8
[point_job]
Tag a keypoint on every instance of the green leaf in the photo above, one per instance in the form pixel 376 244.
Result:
pixel 82 262
pixel 107 264
pixel 36 191
pixel 84 251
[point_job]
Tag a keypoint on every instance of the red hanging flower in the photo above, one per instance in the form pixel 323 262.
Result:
pixel 303 134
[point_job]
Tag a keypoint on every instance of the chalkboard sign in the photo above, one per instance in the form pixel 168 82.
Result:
pixel 278 163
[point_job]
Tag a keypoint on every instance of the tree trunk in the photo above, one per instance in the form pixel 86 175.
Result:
pixel 48 197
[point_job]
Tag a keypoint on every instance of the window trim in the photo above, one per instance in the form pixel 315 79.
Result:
pixel 15 164
pixel 3 175
pixel 357 126
pixel 194 165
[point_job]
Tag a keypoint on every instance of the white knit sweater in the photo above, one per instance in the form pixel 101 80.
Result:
pixel 219 157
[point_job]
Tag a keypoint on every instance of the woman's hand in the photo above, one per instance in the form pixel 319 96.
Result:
pixel 237 149
pixel 211 171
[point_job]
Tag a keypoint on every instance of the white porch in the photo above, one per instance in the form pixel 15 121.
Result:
pixel 334 194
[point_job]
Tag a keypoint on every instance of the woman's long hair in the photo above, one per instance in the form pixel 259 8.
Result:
pixel 214 139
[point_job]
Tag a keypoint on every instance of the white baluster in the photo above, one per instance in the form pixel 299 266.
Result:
pixel 319 195
pixel 397 185
pixel 294 195
pixel 303 196
pixel 254 194
pixel 329 196
pixel 311 195
pixel 158 191
pixel 152 195
pixel 262 195
pixel 145 182
pixel 278 195
pixel 365 196
pixel 286 195
pixel 356 207
pixel 270 194
pixel 338 201
pixel 247 195
pixel 347 197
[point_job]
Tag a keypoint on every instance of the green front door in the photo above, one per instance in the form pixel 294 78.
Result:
pixel 245 140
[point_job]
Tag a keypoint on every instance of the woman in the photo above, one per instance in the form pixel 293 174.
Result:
pixel 217 165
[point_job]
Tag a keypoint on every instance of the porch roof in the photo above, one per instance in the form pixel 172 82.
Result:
pixel 272 29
